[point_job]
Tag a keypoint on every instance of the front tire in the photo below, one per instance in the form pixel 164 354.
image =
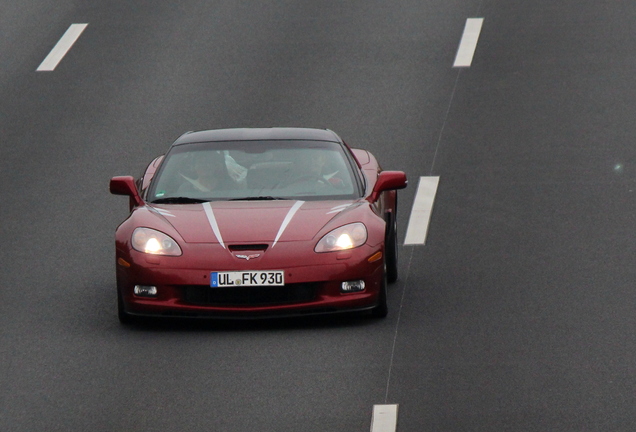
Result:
pixel 382 309
pixel 391 249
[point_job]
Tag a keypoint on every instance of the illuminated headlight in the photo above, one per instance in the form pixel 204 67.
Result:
pixel 343 238
pixel 154 242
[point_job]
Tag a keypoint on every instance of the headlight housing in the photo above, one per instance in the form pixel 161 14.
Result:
pixel 343 238
pixel 154 242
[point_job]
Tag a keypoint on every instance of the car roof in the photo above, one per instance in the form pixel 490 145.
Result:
pixel 257 134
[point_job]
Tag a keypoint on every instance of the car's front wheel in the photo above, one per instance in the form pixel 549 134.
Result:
pixel 382 309
pixel 391 249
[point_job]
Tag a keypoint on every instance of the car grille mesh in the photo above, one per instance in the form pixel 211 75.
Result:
pixel 249 296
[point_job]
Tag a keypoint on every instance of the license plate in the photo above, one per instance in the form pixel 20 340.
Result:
pixel 247 278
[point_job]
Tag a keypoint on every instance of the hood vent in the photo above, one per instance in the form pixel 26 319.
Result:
pixel 248 247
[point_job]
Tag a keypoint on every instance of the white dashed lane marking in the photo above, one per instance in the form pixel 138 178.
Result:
pixel 421 212
pixel 61 48
pixel 384 418
pixel 468 43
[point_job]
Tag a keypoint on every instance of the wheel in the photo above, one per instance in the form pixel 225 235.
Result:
pixel 391 250
pixel 382 309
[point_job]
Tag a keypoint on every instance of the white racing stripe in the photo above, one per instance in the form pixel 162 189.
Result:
pixel 215 227
pixel 290 214
pixel 421 212
pixel 384 418
pixel 338 209
pixel 162 212
pixel 61 48
pixel 217 232
pixel 468 44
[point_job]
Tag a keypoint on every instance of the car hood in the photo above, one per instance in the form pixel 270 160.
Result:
pixel 227 222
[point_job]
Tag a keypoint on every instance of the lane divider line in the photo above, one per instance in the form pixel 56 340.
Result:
pixel 384 418
pixel 468 44
pixel 421 212
pixel 61 48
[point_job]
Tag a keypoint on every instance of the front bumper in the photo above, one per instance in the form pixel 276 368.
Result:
pixel 183 287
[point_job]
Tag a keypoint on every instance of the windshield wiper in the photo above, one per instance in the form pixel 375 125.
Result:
pixel 179 200
pixel 258 198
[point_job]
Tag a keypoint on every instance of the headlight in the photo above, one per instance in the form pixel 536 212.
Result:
pixel 154 242
pixel 343 238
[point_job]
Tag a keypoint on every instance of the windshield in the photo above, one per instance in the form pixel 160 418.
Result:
pixel 254 170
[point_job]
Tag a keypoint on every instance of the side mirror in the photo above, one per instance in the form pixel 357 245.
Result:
pixel 388 180
pixel 125 185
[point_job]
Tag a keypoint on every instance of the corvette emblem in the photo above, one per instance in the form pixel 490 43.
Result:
pixel 248 257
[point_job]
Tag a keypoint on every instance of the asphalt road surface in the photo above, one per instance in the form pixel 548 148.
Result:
pixel 518 312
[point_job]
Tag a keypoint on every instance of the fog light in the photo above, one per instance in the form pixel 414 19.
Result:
pixel 145 291
pixel 352 286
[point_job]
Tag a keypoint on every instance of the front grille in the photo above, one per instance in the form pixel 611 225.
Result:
pixel 249 296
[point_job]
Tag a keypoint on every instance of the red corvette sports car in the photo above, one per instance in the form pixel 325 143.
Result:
pixel 250 223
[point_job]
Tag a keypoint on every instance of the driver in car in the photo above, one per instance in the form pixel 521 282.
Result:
pixel 308 174
pixel 210 173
